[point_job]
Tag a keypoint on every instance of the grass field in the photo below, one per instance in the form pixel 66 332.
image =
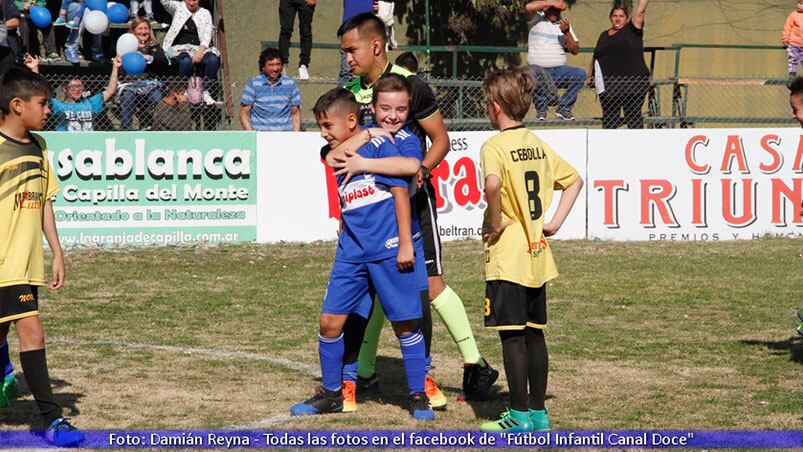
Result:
pixel 641 335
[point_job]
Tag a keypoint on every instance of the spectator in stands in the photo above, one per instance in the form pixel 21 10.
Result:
pixel 796 99
pixel 792 38
pixel 141 93
pixel 549 38
pixel 77 113
pixel 271 100
pixel 71 53
pixel 620 75
pixel 188 42
pixel 287 15
pixel 408 61
pixel 173 112
pixel 350 9
pixel 29 32
pixel 10 47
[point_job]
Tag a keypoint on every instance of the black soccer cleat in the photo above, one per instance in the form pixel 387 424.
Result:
pixel 324 401
pixel 370 384
pixel 478 380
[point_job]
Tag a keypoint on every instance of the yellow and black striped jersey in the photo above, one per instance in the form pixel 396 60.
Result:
pixel 26 182
pixel 529 171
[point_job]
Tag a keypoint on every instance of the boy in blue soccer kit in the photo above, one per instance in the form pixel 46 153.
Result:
pixel 375 256
pixel 390 105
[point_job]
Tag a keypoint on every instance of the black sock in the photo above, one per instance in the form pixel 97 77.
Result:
pixel 514 352
pixel 34 366
pixel 425 324
pixel 353 335
pixel 538 360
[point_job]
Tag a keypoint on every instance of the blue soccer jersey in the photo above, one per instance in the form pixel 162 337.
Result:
pixel 370 231
pixel 410 146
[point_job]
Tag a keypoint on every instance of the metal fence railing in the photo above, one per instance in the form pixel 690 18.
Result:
pixel 660 103
pixel 139 104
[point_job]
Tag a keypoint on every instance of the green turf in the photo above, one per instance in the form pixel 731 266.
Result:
pixel 641 335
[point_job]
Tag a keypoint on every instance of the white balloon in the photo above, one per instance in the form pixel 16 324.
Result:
pixel 127 43
pixel 95 22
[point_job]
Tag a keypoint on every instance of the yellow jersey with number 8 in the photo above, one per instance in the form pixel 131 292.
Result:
pixel 529 171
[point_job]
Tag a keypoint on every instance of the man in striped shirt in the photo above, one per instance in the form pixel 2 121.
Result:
pixel 271 101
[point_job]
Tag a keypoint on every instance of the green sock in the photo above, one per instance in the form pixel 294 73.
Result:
pixel 450 308
pixel 367 357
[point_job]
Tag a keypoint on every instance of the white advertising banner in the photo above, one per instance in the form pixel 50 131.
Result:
pixel 295 203
pixel 298 198
pixel 694 184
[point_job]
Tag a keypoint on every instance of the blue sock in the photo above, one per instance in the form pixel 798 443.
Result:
pixel 415 366
pixel 350 371
pixel 5 360
pixel 330 352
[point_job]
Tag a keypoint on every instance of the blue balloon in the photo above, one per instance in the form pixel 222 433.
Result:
pixel 96 5
pixel 134 63
pixel 118 13
pixel 40 16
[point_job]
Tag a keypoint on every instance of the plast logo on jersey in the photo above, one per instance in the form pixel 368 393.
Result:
pixel 361 193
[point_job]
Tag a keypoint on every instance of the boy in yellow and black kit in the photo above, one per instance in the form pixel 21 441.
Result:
pixel 27 183
pixel 520 173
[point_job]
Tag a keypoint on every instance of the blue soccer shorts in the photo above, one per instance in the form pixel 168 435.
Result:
pixel 352 287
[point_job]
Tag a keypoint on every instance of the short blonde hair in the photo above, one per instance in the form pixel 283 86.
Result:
pixel 512 89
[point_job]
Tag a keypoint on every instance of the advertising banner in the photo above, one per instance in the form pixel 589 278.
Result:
pixel 694 184
pixel 156 188
pixel 299 199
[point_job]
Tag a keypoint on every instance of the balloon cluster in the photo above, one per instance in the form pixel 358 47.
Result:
pixel 96 20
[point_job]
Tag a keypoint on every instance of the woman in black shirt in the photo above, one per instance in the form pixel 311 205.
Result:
pixel 620 75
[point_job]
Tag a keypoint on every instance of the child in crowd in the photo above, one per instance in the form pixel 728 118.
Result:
pixel 792 37
pixel 147 5
pixel 520 172
pixel 75 20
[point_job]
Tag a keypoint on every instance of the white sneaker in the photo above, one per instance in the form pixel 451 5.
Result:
pixel 209 100
pixel 303 73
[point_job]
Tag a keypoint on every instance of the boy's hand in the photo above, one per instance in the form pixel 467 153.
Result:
pixel 117 62
pixel 354 164
pixel 550 229
pixel 58 274
pixel 374 132
pixel 491 233
pixel 406 257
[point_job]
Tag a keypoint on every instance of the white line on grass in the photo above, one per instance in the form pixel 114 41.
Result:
pixel 282 362
pixel 286 363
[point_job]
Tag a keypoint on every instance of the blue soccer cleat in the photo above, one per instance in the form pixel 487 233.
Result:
pixel 324 401
pixel 62 434
pixel 420 407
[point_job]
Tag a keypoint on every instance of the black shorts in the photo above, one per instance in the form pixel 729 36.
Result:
pixel 511 306
pixel 428 219
pixel 18 301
